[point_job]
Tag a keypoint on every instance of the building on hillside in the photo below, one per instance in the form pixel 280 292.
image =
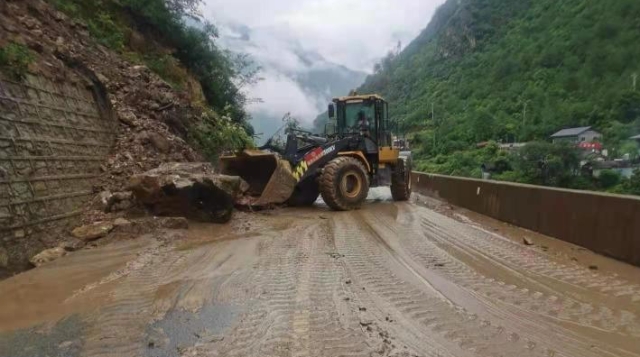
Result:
pixel 577 135
pixel 636 138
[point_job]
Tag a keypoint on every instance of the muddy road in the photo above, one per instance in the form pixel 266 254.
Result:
pixel 388 280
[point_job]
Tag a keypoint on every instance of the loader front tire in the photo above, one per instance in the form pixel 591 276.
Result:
pixel 344 184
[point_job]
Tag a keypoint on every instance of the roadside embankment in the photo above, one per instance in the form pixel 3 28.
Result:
pixel 606 224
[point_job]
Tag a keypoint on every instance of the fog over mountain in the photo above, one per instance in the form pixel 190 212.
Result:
pixel 312 50
pixel 295 80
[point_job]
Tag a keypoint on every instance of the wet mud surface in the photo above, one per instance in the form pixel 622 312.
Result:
pixel 392 279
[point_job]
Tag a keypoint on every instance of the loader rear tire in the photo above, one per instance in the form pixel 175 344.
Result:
pixel 401 181
pixel 344 184
pixel 305 193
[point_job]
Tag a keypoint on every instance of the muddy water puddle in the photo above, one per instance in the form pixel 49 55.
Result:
pixel 179 329
pixel 52 339
pixel 43 294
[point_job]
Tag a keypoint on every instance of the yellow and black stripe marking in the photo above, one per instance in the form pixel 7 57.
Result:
pixel 300 170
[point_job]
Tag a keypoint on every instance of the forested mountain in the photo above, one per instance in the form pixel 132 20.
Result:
pixel 509 71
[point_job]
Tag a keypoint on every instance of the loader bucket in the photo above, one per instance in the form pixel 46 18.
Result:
pixel 269 177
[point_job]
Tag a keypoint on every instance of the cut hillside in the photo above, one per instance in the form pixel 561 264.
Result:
pixel 162 98
pixel 164 106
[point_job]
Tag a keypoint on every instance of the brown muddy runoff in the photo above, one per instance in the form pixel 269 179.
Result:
pixel 392 279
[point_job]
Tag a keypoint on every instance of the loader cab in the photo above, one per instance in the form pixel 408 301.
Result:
pixel 345 118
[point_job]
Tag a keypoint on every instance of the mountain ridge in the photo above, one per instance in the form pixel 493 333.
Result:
pixel 517 71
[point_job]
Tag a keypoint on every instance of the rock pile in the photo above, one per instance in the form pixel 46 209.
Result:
pixel 188 189
pixel 153 116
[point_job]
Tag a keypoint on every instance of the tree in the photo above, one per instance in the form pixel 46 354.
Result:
pixel 482 125
pixel 184 7
pixel 632 186
pixel 547 164
pixel 628 107
pixel 609 179
pixel 629 147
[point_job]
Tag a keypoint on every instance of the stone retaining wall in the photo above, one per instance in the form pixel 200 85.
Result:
pixel 53 138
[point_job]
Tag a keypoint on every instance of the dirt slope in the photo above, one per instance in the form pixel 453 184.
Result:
pixel 388 280
pixel 152 115
pixel 148 116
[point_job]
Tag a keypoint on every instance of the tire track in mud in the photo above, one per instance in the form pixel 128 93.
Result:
pixel 540 298
pixel 537 296
pixel 524 258
pixel 428 323
pixel 428 252
pixel 297 311
pixel 261 319
pixel 333 330
pixel 370 283
pixel 118 330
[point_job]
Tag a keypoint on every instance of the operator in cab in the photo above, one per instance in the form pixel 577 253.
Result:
pixel 363 123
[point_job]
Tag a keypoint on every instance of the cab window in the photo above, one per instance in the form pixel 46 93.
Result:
pixel 351 115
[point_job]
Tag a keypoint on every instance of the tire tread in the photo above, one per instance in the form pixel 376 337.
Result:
pixel 329 183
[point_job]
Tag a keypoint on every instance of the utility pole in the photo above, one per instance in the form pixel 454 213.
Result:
pixel 635 80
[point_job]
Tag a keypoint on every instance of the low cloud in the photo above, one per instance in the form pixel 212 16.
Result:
pixel 291 38
pixel 354 33
pixel 284 95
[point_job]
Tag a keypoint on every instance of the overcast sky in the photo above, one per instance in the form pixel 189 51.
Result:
pixel 353 33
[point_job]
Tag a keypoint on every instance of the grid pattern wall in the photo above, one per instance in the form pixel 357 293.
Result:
pixel 53 140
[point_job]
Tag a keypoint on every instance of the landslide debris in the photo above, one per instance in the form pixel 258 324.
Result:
pixel 47 256
pixel 93 231
pixel 188 189
pixel 153 115
pixel 154 123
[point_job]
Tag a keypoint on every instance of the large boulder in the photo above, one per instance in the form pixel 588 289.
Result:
pixel 113 202
pixel 93 231
pixel 190 190
pixel 47 256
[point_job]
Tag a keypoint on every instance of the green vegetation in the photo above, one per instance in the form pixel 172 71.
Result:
pixel 538 163
pixel 630 186
pixel 215 135
pixel 15 59
pixel 173 41
pixel 507 71
pixel 167 67
pixel 609 179
pixel 99 18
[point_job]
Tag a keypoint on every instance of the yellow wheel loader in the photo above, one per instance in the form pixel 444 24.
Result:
pixel 355 153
